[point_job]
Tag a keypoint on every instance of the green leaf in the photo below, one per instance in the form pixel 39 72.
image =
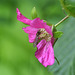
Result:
pixel 34 13
pixel 69 6
pixel 64 50
pixel 71 70
pixel 57 34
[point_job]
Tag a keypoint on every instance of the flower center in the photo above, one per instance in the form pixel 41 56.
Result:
pixel 44 34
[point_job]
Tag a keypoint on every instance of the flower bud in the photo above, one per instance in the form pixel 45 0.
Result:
pixel 34 13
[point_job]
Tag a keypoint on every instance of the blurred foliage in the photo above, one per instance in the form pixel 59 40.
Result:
pixel 17 55
pixel 69 6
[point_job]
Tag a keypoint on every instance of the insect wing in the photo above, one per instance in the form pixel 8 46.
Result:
pixel 35 41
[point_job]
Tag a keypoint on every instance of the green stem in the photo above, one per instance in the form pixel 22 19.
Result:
pixel 55 41
pixel 57 60
pixel 62 20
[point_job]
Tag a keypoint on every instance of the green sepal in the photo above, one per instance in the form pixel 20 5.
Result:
pixel 34 13
pixel 69 6
pixel 54 29
pixel 57 34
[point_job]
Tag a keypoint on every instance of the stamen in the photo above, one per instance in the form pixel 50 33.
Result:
pixel 44 34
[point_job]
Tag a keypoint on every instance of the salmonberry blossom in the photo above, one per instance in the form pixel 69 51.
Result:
pixel 39 29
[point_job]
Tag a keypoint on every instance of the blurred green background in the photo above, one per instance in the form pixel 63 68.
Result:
pixel 17 55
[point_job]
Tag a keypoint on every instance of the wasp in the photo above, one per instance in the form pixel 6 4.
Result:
pixel 36 39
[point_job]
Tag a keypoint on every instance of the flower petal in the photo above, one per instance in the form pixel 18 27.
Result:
pixel 45 53
pixel 32 33
pixel 48 29
pixel 21 18
pixel 52 40
pixel 37 23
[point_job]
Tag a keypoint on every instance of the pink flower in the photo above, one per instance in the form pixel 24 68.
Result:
pixel 45 52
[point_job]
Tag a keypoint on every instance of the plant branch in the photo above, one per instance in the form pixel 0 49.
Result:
pixel 57 60
pixel 62 20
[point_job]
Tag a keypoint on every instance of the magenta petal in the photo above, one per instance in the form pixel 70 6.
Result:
pixel 21 18
pixel 45 53
pixel 37 23
pixel 52 40
pixel 32 33
pixel 48 29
